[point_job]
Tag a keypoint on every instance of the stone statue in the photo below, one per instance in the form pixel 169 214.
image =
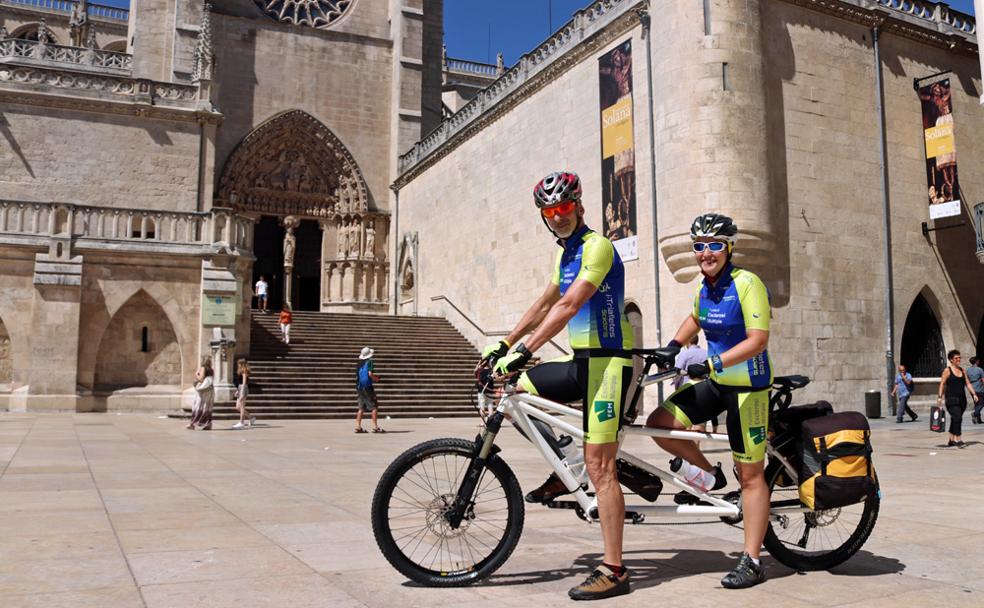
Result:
pixel 342 236
pixel 77 23
pixel 354 240
pixel 3 33
pixel 43 36
pixel 289 246
pixel 370 241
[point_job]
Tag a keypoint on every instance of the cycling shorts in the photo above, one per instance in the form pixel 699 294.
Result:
pixel 600 383
pixel 748 414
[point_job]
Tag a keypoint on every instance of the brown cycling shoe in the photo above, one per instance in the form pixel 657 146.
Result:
pixel 548 490
pixel 600 584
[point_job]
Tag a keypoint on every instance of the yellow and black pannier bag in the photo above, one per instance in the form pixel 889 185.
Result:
pixel 836 469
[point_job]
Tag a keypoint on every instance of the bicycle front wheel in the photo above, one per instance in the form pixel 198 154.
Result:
pixel 409 507
pixel 815 540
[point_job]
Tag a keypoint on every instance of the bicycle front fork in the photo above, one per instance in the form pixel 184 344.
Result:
pixel 484 448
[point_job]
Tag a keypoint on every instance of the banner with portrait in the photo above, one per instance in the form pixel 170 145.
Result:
pixel 943 189
pixel 618 151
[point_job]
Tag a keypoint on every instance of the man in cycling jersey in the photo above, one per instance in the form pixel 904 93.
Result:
pixel 586 293
pixel 732 308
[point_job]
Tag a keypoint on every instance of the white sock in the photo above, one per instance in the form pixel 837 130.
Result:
pixel 755 561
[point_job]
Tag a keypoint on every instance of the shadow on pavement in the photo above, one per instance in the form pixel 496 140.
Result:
pixel 679 563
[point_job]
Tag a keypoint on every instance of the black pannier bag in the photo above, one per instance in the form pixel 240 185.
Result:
pixel 787 434
pixel 836 469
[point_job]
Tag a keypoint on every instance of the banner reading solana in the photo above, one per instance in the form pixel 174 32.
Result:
pixel 941 154
pixel 618 151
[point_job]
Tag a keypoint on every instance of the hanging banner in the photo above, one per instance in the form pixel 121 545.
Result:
pixel 941 155
pixel 617 151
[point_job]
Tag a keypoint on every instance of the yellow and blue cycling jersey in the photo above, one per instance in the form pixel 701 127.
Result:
pixel 601 322
pixel 738 302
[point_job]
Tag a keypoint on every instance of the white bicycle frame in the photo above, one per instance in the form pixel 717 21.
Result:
pixel 521 407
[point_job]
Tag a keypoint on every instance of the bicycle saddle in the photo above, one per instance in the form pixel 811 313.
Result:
pixel 666 355
pixel 789 382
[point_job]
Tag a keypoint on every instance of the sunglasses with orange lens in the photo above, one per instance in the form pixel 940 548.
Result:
pixel 559 209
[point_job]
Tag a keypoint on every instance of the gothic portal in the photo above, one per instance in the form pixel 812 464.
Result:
pixel 293 165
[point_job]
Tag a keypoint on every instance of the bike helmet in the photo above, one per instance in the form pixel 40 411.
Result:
pixel 558 187
pixel 716 226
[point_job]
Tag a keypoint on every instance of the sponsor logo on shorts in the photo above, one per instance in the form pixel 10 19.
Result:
pixel 757 434
pixel 604 410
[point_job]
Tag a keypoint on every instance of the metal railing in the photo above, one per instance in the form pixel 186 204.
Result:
pixel 488 334
pixel 56 53
pixel 220 226
pixel 99 11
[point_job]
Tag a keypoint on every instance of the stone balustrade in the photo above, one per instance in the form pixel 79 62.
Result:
pixel 937 13
pixel 13 49
pixel 471 67
pixel 96 11
pixel 23 222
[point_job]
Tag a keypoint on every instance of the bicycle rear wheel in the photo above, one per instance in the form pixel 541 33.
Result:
pixel 410 502
pixel 815 540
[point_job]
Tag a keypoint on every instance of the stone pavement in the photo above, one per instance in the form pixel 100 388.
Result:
pixel 105 510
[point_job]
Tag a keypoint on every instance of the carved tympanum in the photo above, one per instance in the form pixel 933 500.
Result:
pixel 293 164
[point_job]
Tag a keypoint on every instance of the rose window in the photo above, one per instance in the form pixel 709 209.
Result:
pixel 321 14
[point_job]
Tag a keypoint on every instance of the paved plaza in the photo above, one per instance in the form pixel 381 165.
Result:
pixel 110 510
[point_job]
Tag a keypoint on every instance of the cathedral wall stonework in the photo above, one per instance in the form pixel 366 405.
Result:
pixel 815 189
pixel 266 68
pixel 106 160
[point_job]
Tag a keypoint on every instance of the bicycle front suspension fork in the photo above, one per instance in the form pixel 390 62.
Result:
pixel 484 448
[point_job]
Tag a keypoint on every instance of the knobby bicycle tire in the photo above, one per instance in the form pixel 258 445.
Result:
pixel 384 498
pixel 792 556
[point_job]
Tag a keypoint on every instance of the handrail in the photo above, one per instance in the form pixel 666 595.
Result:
pixel 482 331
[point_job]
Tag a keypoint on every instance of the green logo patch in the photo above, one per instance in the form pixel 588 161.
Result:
pixel 604 410
pixel 757 433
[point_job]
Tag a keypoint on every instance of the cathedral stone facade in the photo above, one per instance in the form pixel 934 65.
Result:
pixel 765 110
pixel 157 161
pixel 154 159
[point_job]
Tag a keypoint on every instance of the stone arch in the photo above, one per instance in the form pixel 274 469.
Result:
pixel 293 164
pixel 29 31
pixel 922 350
pixel 116 46
pixel 6 357
pixel 122 362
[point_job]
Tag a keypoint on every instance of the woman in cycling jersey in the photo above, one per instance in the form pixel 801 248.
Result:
pixel 732 308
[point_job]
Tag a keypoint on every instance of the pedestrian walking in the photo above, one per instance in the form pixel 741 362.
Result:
pixel 260 291
pixel 976 376
pixel 367 394
pixel 242 370
pixel 201 411
pixel 285 319
pixel 953 387
pixel 903 390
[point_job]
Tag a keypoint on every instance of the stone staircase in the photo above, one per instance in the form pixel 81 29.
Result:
pixel 424 364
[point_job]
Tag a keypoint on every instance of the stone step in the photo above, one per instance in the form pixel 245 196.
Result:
pixel 426 366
